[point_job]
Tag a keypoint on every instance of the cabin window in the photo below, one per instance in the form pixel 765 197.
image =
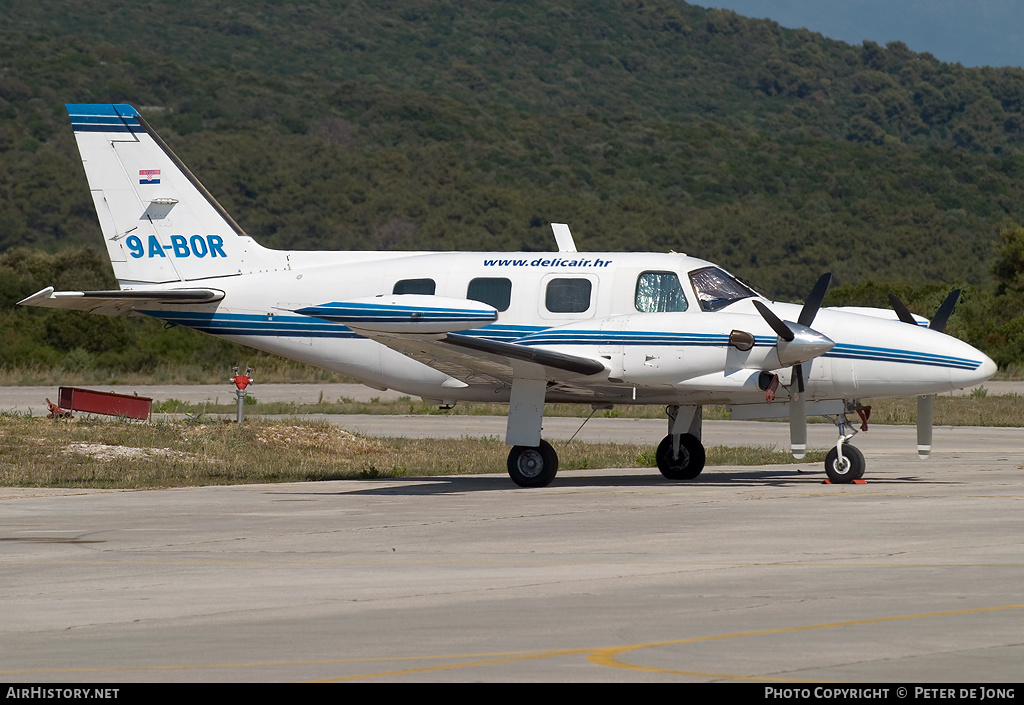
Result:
pixel 716 289
pixel 659 292
pixel 415 286
pixel 496 292
pixel 568 295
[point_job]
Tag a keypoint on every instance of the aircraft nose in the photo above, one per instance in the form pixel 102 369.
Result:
pixel 976 374
pixel 987 368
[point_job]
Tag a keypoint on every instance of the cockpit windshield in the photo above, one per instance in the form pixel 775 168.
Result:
pixel 716 289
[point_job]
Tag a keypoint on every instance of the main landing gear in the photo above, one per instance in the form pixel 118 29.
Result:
pixel 533 466
pixel 682 463
pixel 680 454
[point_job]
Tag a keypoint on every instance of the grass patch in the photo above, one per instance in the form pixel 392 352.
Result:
pixel 38 452
pixel 978 409
pixel 410 405
pixel 971 410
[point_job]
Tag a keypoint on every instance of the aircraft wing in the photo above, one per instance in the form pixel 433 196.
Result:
pixel 116 303
pixel 475 360
pixel 424 327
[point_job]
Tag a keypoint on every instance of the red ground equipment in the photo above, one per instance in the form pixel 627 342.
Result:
pixel 93 402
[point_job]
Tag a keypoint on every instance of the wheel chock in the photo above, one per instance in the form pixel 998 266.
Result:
pixel 827 481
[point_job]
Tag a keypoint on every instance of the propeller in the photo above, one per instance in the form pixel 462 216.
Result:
pixel 924 404
pixel 945 310
pixel 902 312
pixel 795 353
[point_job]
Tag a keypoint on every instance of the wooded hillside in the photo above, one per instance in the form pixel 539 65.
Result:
pixel 649 125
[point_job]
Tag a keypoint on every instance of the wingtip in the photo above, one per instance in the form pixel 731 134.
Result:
pixel 38 296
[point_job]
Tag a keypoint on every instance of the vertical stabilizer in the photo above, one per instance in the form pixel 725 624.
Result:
pixel 160 225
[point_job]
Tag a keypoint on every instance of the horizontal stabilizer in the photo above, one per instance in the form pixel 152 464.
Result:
pixel 116 303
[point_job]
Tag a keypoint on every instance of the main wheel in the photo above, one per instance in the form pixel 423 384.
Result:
pixel 530 466
pixel 689 463
pixel 851 468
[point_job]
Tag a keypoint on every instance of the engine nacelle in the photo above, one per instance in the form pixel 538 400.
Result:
pixel 667 348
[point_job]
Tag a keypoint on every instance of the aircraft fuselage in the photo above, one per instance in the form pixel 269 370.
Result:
pixel 661 357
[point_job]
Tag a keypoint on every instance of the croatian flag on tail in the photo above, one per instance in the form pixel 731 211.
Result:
pixel 149 176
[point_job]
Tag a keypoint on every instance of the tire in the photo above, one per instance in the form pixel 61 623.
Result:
pixel 851 469
pixel 690 462
pixel 530 466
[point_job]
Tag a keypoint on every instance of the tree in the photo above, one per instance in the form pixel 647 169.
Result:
pixel 1009 265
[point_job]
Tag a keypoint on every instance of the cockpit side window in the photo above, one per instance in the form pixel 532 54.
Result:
pixel 716 289
pixel 659 292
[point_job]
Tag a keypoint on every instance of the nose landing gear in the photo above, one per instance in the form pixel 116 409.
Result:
pixel 845 463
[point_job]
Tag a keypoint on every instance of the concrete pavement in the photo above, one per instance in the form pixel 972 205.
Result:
pixel 748 574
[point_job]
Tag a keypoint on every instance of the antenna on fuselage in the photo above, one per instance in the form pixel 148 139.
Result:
pixel 563 238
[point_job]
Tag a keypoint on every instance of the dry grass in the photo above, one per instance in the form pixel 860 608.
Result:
pixel 411 405
pixel 979 410
pixel 38 452
pixel 1003 410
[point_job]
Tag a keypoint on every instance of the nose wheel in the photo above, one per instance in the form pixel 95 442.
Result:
pixel 846 468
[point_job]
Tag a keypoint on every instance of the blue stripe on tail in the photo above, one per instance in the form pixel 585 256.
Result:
pixel 103 117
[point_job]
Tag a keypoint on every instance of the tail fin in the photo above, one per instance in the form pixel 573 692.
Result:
pixel 159 223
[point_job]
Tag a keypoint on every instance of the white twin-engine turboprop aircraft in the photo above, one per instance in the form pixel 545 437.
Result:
pixel 523 328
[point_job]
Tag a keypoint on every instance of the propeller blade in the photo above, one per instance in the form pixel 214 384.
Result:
pixel 798 424
pixel 813 302
pixel 941 316
pixel 939 320
pixel 924 427
pixel 780 328
pixel 901 310
pixel 798 374
pixel 924 404
pixel 797 402
pixel 810 341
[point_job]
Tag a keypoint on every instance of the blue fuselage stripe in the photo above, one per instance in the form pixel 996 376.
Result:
pixel 249 324
pixel 304 326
